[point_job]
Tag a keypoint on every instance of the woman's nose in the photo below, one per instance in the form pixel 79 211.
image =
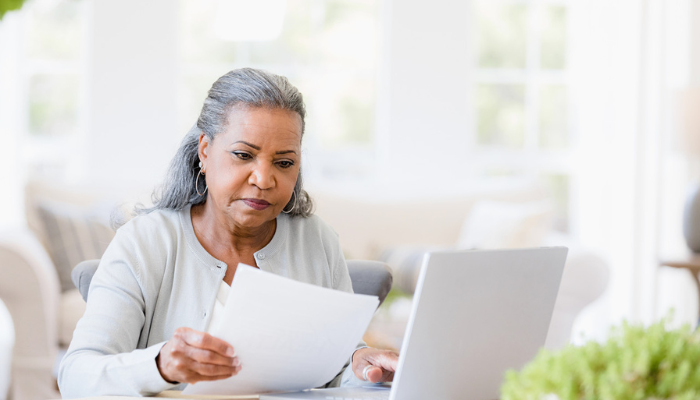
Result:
pixel 262 176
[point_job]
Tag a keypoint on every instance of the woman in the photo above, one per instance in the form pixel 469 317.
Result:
pixel 233 195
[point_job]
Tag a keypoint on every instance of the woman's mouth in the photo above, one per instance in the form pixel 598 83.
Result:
pixel 256 204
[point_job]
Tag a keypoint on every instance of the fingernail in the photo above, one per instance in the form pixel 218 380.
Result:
pixel 236 362
pixel 230 352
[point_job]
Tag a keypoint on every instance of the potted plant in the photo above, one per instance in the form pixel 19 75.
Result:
pixel 9 5
pixel 635 363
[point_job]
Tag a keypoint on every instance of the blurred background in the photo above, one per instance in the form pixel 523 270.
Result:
pixel 442 124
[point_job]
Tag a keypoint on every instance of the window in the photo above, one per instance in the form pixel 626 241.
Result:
pixel 52 61
pixel 327 48
pixel 521 93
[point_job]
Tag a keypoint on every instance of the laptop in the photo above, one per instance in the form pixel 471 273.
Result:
pixel 476 314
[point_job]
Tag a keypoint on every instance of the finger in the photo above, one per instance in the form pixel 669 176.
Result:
pixel 194 377
pixel 387 360
pixel 374 374
pixel 383 364
pixel 213 370
pixel 381 358
pixel 206 341
pixel 377 374
pixel 209 357
pixel 388 376
pixel 358 368
pixel 362 367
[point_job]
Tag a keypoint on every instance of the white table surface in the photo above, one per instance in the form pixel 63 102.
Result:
pixel 174 394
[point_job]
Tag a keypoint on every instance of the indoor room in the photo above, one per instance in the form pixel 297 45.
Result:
pixel 430 126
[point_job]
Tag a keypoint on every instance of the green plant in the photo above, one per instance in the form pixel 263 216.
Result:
pixel 636 363
pixel 9 5
pixel 394 294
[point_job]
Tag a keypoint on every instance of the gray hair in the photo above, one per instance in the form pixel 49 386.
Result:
pixel 248 87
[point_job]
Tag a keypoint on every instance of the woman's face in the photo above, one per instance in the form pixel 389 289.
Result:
pixel 252 166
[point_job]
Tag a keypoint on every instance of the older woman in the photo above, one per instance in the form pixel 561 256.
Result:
pixel 233 195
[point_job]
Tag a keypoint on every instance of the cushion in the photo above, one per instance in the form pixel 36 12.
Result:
pixel 501 224
pixel 370 277
pixel 72 235
pixel 7 340
pixel 70 309
pixel 82 276
pixel 405 262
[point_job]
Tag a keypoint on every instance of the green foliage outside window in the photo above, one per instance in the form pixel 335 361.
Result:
pixel 9 5
pixel 636 363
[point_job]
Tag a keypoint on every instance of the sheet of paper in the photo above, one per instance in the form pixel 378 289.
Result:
pixel 288 335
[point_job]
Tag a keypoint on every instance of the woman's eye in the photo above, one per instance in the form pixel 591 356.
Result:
pixel 242 155
pixel 285 163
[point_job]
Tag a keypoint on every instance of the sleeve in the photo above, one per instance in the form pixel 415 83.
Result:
pixel 346 376
pixel 103 358
pixel 340 277
pixel 341 281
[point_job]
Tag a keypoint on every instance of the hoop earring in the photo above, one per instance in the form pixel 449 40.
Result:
pixel 293 205
pixel 196 185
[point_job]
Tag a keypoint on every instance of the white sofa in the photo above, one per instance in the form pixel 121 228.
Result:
pixel 398 229
pixel 43 315
pixel 30 290
pixel 368 223
pixel 7 341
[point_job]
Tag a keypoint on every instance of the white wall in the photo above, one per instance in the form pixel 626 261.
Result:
pixel 11 169
pixel 627 73
pixel 694 73
pixel 424 89
pixel 132 90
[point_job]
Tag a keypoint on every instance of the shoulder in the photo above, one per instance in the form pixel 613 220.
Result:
pixel 158 221
pixel 146 238
pixel 313 235
pixel 155 230
pixel 311 226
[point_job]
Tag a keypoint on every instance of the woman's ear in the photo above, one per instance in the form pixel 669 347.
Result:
pixel 204 143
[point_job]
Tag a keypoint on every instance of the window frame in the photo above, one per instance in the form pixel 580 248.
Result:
pixel 531 160
pixel 321 159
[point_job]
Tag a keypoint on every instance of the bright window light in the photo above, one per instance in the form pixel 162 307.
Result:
pixel 249 20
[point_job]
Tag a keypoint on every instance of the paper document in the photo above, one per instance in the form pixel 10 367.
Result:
pixel 288 335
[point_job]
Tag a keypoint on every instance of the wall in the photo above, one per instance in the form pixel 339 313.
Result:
pixel 11 171
pixel 424 104
pixel 132 83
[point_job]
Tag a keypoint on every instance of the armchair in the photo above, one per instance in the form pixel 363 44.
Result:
pixel 30 291
pixel 368 277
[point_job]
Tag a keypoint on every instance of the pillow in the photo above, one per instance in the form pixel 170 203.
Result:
pixel 72 235
pixel 499 224
pixel 405 262
pixel 71 308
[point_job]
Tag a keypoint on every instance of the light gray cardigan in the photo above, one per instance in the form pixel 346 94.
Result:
pixel 155 277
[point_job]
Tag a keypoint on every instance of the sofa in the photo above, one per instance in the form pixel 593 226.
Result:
pixel 390 226
pixel 372 222
pixel 7 341
pixel 65 224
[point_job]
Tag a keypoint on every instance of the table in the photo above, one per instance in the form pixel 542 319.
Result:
pixel 689 261
pixel 174 394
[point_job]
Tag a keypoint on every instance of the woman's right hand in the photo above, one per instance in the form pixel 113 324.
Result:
pixel 192 356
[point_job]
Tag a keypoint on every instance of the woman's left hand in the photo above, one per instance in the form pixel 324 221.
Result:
pixel 380 364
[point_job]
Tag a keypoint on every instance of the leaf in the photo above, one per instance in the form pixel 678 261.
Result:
pixel 635 363
pixel 9 5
